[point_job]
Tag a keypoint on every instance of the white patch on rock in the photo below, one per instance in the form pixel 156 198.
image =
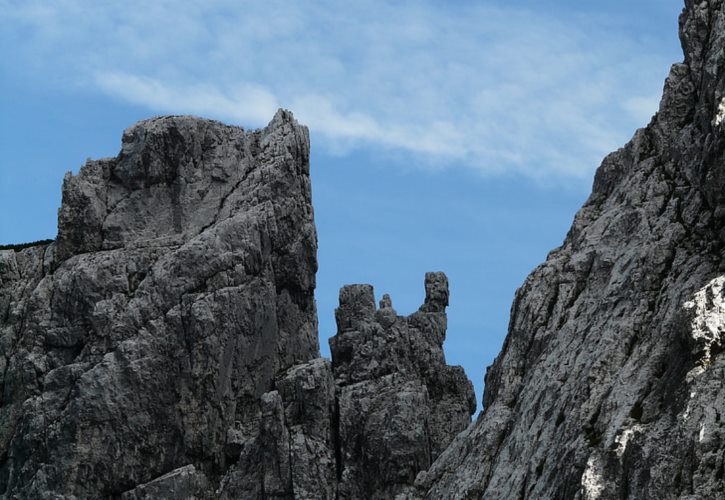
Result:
pixel 592 480
pixel 623 438
pixel 688 410
pixel 707 320
pixel 720 115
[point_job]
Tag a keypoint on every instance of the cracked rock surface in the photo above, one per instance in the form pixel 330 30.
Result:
pixel 165 345
pixel 180 285
pixel 611 380
pixel 399 404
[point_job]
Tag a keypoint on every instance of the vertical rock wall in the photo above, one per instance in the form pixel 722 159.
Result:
pixel 180 285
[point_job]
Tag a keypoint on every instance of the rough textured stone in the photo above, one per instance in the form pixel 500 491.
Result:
pixel 184 482
pixel 290 453
pixel 180 285
pixel 365 426
pixel 399 404
pixel 610 381
pixel 165 345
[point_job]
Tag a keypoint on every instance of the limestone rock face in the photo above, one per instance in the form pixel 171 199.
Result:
pixel 181 284
pixel 610 381
pixel 165 345
pixel 399 404
pixel 364 425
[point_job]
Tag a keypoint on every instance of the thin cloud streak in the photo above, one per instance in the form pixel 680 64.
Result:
pixel 499 90
pixel 246 103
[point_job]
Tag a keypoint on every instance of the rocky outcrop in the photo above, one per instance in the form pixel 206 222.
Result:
pixel 365 425
pixel 399 404
pixel 181 284
pixel 610 381
pixel 165 345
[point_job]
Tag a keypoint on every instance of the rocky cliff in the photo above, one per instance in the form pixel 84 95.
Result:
pixel 611 380
pixel 165 345
pixel 180 285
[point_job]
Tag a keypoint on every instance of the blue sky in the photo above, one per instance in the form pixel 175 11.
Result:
pixel 454 136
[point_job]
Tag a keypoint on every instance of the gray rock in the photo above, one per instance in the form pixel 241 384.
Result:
pixel 180 285
pixel 308 391
pixel 290 453
pixel 184 482
pixel 399 404
pixel 165 345
pixel 609 384
pixel 365 426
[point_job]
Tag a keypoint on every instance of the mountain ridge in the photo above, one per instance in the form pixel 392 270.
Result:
pixel 165 345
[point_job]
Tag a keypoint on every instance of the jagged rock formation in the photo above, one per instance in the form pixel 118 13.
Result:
pixel 165 345
pixel 180 285
pixel 365 425
pixel 399 404
pixel 610 381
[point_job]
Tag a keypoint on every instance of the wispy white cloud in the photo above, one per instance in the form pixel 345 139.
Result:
pixel 498 89
pixel 244 103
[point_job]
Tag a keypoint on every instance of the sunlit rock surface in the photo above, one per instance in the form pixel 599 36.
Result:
pixel 181 284
pixel 610 381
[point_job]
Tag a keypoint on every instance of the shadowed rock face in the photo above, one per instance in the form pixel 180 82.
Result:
pixel 367 424
pixel 610 381
pixel 165 345
pixel 399 404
